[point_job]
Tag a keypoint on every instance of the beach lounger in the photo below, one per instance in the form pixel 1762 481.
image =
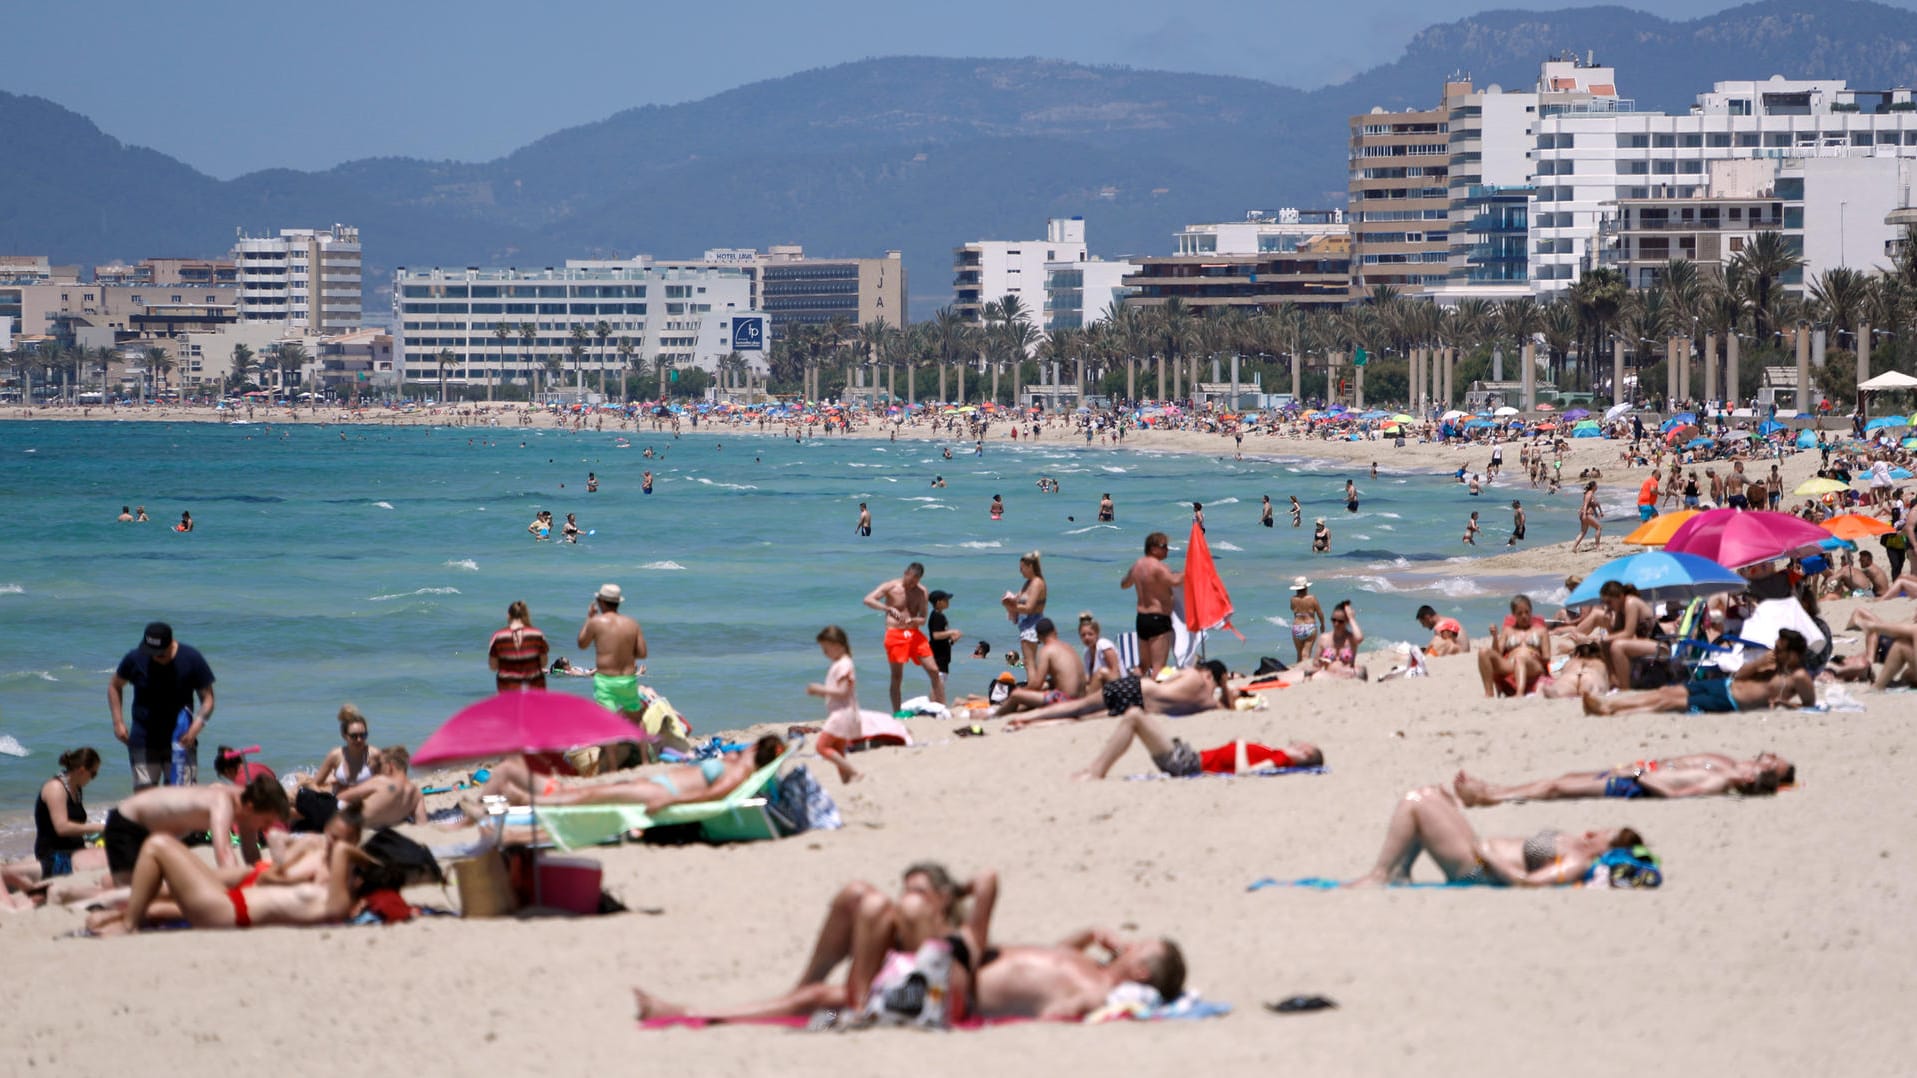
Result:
pixel 1187 647
pixel 740 816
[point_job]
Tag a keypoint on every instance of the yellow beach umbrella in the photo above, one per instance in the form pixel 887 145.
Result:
pixel 1819 485
pixel 1402 418
pixel 1657 530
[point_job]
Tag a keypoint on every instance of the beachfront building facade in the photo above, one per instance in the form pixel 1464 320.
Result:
pixel 1080 293
pixel 1399 198
pixel 510 326
pixel 305 277
pixel 1316 273
pixel 1588 164
pixel 796 290
pixel 192 272
pixel 985 271
pixel 1260 232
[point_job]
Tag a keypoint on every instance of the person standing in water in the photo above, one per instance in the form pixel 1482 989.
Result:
pixel 906 605
pixel 186 522
pixel 1297 513
pixel 998 508
pixel 1351 496
pixel 1105 512
pixel 1264 512
pixel 1517 524
pixel 592 483
pixel 865 521
pixel 645 482
pixel 1153 581
pixel 1321 537
pixel 1471 529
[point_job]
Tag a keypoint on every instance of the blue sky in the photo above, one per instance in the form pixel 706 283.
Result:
pixel 230 87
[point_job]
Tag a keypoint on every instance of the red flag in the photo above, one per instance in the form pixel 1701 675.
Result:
pixel 1207 605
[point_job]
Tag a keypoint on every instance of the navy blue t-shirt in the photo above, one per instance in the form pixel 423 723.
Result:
pixel 160 691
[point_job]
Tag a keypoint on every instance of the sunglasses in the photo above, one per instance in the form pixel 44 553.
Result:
pixel 361 736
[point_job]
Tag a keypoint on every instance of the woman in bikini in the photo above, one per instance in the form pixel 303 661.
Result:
pixel 1633 624
pixel 1307 617
pixel 1515 662
pixel 1583 671
pixel 354 762
pixel 1026 606
pixel 1339 656
pixel 707 780
pixel 1431 820
pixel 1589 517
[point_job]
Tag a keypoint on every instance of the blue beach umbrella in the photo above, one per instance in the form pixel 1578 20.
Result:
pixel 1806 440
pixel 1834 543
pixel 1658 576
pixel 1900 473
pixel 1679 420
pixel 1769 427
pixel 1699 443
pixel 1587 432
pixel 1887 421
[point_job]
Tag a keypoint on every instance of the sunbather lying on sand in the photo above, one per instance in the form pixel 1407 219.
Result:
pixel 677 784
pixel 1200 688
pixel 1774 680
pixel 1431 820
pixel 206 899
pixel 1178 759
pixel 875 933
pixel 1699 774
pixel 1065 982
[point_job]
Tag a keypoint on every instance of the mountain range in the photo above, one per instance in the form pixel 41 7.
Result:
pixel 914 153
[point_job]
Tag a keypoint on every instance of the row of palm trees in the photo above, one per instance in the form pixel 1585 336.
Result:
pixel 1752 297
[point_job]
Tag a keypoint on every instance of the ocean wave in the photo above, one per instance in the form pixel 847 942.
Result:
pixel 920 498
pixel 1113 468
pixel 947 508
pixel 467 564
pixel 664 566
pixel 1451 587
pixel 383 505
pixel 410 594
pixel 43 675
pixel 1222 545
pixel 725 486
pixel 1392 516
pixel 1224 501
pixel 1095 527
pixel 11 747
pixel 981 544
pixel 12 589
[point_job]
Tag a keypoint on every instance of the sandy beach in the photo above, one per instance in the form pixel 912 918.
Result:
pixel 1776 945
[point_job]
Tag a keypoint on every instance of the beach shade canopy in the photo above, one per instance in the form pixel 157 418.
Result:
pixel 1735 538
pixel 1207 604
pixel 1900 473
pixel 1812 487
pixel 1586 424
pixel 1453 414
pixel 1505 411
pixel 1855 526
pixel 520 722
pixel 1770 427
pixel 1660 576
pixel 1402 418
pixel 1657 530
pixel 1889 380
pixel 1886 422
pixel 1577 413
pixel 1700 443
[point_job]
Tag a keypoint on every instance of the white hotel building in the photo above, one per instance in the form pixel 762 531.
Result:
pixel 308 278
pixel 1589 162
pixel 679 316
pixel 988 270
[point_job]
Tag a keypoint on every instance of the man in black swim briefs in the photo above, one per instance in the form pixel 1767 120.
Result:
pixel 1154 582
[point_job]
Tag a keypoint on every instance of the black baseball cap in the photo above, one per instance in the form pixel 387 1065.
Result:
pixel 157 636
pixel 937 595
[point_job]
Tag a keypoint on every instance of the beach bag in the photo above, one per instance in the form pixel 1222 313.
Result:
pixel 918 995
pixel 402 861
pixel 1656 671
pixel 1002 687
pixel 799 804
pixel 1636 867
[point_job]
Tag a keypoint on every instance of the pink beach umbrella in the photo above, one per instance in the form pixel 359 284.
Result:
pixel 1735 539
pixel 524 722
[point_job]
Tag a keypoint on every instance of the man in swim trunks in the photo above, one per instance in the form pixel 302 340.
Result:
pixel 905 604
pixel 224 811
pixel 1056 674
pixel 619 644
pixel 865 522
pixel 1698 774
pixel 1647 496
pixel 1154 583
pixel 1775 680
pixel 1067 983
pixel 1105 512
pixel 1188 692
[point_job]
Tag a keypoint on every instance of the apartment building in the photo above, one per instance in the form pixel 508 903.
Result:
pixel 308 278
pixel 1591 163
pixel 988 270
pixel 679 316
pixel 1078 294
pixel 1259 232
pixel 1316 273
pixel 170 271
pixel 1400 198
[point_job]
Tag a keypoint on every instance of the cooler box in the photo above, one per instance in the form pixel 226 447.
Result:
pixel 571 884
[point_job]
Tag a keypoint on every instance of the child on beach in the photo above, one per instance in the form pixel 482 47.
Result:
pixel 843 724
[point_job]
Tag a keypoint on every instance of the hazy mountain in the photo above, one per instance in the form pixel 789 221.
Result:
pixel 912 153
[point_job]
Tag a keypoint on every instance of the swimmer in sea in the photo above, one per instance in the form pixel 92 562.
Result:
pixel 1351 496
pixel 865 521
pixel 1321 537
pixel 126 515
pixel 1471 530
pixel 571 530
pixel 998 507
pixel 139 514
pixel 1264 513
pixel 185 524
pixel 592 483
pixel 1106 514
pixel 541 527
pixel 1297 513
pixel 645 481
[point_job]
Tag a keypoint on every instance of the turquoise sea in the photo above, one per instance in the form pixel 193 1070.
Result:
pixel 365 564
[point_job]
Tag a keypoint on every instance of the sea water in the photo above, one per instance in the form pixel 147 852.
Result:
pixel 374 567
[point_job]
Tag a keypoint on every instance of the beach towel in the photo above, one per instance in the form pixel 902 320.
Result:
pixel 1255 773
pixel 1125 1004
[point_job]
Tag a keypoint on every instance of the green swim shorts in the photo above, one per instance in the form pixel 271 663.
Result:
pixel 619 694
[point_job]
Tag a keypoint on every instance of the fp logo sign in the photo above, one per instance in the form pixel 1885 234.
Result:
pixel 748 334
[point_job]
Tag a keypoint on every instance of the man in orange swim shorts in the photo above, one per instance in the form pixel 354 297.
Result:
pixel 905 605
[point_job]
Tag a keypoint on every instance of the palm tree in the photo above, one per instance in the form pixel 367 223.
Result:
pixel 952 336
pixel 627 362
pixel 446 359
pixel 1838 298
pixel 578 336
pixel 105 356
pixel 528 337
pixel 1762 266
pixel 502 332
pixel 1598 297
pixel 161 365
pixel 289 356
pixel 242 359
pixel 602 331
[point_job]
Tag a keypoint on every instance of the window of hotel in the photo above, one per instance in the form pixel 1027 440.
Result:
pixel 1747 138
pixel 1634 142
pixel 1691 141
pixel 1718 139
pixel 1664 140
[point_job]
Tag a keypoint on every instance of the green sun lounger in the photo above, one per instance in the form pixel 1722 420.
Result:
pixel 740 816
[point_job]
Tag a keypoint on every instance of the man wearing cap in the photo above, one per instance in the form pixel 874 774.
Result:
pixel 1447 634
pixel 168 677
pixel 620 645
